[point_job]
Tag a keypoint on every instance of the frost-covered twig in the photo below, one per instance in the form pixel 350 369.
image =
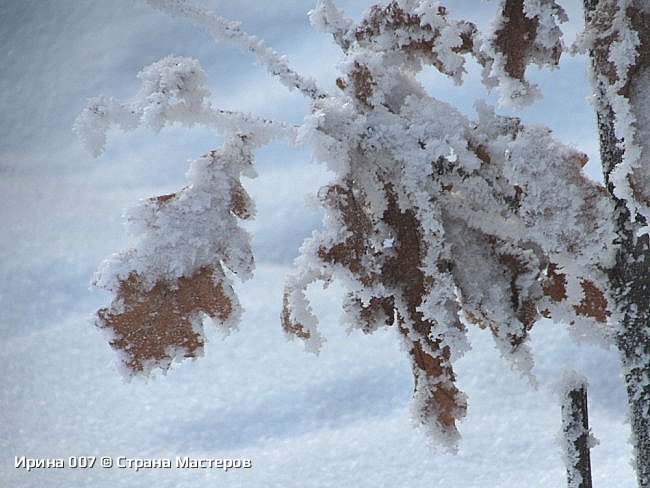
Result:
pixel 222 29
pixel 173 90
pixel 617 39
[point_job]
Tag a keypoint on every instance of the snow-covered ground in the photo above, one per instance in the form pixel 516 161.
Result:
pixel 339 419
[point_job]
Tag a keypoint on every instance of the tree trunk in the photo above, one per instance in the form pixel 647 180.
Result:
pixel 630 275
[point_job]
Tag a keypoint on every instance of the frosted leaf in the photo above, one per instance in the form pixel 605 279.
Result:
pixel 174 273
pixel 462 203
pixel 437 403
pixel 524 32
pixel 184 231
pixel 409 37
pixel 298 319
pixel 152 327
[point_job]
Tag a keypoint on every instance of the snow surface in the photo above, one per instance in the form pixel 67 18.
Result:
pixel 337 419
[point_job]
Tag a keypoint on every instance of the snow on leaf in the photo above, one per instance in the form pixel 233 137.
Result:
pixel 174 274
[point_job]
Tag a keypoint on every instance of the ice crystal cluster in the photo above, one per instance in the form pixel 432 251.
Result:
pixel 434 222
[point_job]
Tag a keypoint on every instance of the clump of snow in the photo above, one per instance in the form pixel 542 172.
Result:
pixel 327 17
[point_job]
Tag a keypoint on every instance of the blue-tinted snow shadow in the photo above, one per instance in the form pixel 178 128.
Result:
pixel 37 295
pixel 333 403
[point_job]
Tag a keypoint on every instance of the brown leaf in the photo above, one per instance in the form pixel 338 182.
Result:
pixel 352 252
pixel 363 83
pixel 593 304
pixel 434 380
pixel 150 326
pixel 240 202
pixel 380 310
pixel 391 20
pixel 554 286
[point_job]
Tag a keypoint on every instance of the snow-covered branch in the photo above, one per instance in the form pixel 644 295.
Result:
pixel 433 222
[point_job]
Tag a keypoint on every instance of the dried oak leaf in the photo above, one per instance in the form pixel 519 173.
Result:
pixel 152 327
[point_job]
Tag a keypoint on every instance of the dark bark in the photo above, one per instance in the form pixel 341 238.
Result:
pixel 576 420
